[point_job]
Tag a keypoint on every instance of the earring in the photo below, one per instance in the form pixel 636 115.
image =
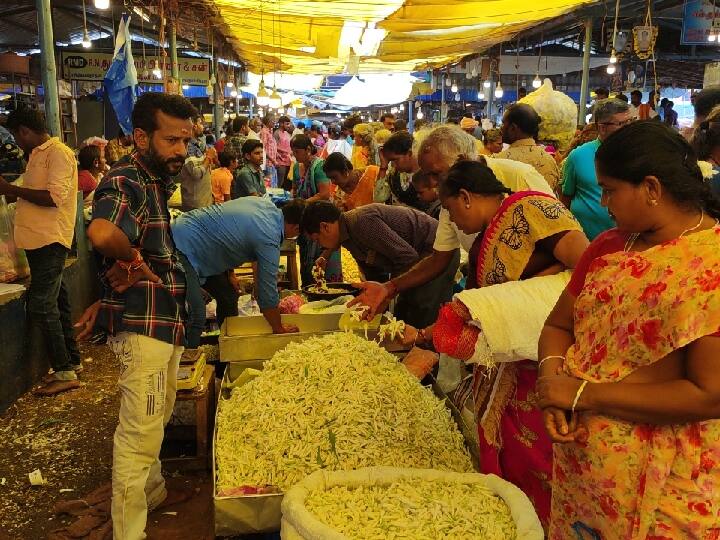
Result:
pixel 467 207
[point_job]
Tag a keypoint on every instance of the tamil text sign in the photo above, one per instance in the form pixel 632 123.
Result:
pixel 87 66
pixel 698 20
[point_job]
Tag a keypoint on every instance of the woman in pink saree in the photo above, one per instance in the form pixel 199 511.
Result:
pixel 630 388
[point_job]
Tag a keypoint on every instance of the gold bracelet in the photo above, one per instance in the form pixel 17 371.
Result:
pixel 577 396
pixel 540 363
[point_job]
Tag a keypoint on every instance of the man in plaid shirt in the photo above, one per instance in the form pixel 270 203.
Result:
pixel 143 305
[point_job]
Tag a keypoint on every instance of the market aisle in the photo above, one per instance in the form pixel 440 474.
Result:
pixel 69 438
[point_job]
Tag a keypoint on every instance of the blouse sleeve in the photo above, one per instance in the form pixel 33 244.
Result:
pixel 610 241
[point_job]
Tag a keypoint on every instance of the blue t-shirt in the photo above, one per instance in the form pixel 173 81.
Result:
pixel 580 183
pixel 221 237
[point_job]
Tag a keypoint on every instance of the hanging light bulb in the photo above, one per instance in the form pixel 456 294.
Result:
pixel 420 115
pixel 613 58
pixel 86 40
pixel 275 99
pixel 229 84
pixel 611 69
pixel 448 82
pixel 481 95
pixel 454 88
pixel 457 97
pixel 157 73
pixel 487 84
pixel 186 87
pixel 263 98
pixel 102 4
pixel 233 93
pixel 537 83
pixel 499 90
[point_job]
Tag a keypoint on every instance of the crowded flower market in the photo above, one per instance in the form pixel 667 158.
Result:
pixel 359 270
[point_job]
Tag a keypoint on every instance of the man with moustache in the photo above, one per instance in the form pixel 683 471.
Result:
pixel 143 304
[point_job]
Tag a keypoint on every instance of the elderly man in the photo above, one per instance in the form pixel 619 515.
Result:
pixel 386 241
pixel 442 147
pixel 520 128
pixel 580 190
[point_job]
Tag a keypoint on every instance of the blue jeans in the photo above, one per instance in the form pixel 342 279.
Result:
pixel 48 305
pixel 195 304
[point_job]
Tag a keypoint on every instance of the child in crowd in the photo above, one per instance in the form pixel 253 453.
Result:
pixel 426 189
pixel 222 177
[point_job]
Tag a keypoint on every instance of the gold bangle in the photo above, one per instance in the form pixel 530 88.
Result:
pixel 540 363
pixel 577 396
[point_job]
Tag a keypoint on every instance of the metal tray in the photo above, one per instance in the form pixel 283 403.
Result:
pixel 248 514
pixel 261 513
pixel 244 339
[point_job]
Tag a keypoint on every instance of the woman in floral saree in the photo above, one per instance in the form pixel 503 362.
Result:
pixel 526 234
pixel 631 387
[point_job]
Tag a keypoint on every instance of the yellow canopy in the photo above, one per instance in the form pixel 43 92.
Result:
pixel 332 36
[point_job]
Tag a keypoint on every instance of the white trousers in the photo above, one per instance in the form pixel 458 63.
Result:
pixel 147 396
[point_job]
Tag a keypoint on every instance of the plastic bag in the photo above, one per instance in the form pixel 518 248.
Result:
pixel 299 524
pixel 8 258
pixel 558 112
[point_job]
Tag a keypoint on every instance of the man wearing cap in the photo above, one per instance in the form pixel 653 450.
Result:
pixel 469 125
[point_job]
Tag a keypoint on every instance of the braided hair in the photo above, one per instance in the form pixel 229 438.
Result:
pixel 649 148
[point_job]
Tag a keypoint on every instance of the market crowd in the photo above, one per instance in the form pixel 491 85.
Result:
pixel 567 296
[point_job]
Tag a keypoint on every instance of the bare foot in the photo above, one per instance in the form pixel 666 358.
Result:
pixel 56 387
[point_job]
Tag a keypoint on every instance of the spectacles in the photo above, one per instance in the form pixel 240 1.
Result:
pixel 617 124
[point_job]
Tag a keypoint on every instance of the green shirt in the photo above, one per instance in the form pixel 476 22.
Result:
pixel 248 181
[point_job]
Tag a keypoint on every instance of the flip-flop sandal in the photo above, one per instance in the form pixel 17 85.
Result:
pixel 174 496
pixel 56 387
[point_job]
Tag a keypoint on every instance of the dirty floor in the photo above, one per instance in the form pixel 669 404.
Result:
pixel 69 439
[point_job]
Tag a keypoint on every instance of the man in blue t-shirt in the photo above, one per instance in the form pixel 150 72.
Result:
pixel 580 189
pixel 213 241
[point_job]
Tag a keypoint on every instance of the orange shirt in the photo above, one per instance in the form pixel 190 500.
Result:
pixel 221 180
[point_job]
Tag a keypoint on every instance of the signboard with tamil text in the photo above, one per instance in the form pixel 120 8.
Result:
pixel 92 66
pixel 698 20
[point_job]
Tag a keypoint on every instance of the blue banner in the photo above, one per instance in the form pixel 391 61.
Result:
pixel 698 20
pixel 121 79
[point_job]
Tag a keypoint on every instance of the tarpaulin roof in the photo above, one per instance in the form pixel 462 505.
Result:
pixel 332 36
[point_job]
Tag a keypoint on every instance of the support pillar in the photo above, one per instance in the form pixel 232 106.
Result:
pixel 585 84
pixel 442 99
pixel 48 69
pixel 175 69
pixel 410 117
pixel 218 115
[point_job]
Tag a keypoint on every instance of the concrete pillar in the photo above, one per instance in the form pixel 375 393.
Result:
pixel 585 84
pixel 48 69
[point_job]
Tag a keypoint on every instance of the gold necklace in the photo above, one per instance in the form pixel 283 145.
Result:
pixel 634 236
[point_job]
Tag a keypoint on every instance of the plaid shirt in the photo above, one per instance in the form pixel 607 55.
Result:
pixel 135 200
pixel 234 144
